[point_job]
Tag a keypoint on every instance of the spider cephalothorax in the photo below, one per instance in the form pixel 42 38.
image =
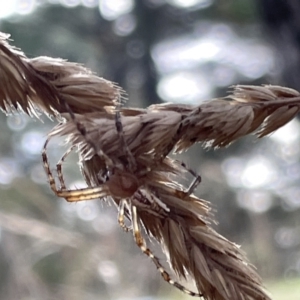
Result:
pixel 122 184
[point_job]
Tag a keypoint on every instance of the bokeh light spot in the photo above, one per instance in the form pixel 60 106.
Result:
pixel 7 8
pixel 38 174
pixel 32 142
pixel 90 3
pixel 183 87
pixel 135 49
pixel 25 7
pixel 8 170
pixel 233 168
pixel 258 172
pixel 287 134
pixel 112 9
pixel 255 201
pixel 125 25
pixel 109 272
pixel 287 237
pixel 87 210
pixel 191 3
pixel 16 122
pixel 70 3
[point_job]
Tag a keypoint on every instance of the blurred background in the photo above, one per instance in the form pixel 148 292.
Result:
pixel 183 51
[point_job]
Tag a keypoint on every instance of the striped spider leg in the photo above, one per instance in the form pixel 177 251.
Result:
pixel 121 215
pixel 141 243
pixel 196 181
pixel 140 201
pixel 128 154
pixel 58 192
pixel 59 168
pixel 63 192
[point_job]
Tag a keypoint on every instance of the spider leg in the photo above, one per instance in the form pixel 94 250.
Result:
pixel 46 165
pixel 151 201
pixel 174 141
pixel 82 130
pixel 88 193
pixel 59 167
pixel 141 243
pixel 121 215
pixel 84 194
pixel 175 138
pixel 195 182
pixel 119 126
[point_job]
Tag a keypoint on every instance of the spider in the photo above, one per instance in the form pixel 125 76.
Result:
pixel 126 182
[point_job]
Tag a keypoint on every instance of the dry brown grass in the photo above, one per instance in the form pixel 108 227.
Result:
pixel 133 165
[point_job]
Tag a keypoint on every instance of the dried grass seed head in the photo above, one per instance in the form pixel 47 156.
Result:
pixel 46 84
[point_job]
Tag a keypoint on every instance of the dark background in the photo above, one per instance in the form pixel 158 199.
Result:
pixel 157 50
